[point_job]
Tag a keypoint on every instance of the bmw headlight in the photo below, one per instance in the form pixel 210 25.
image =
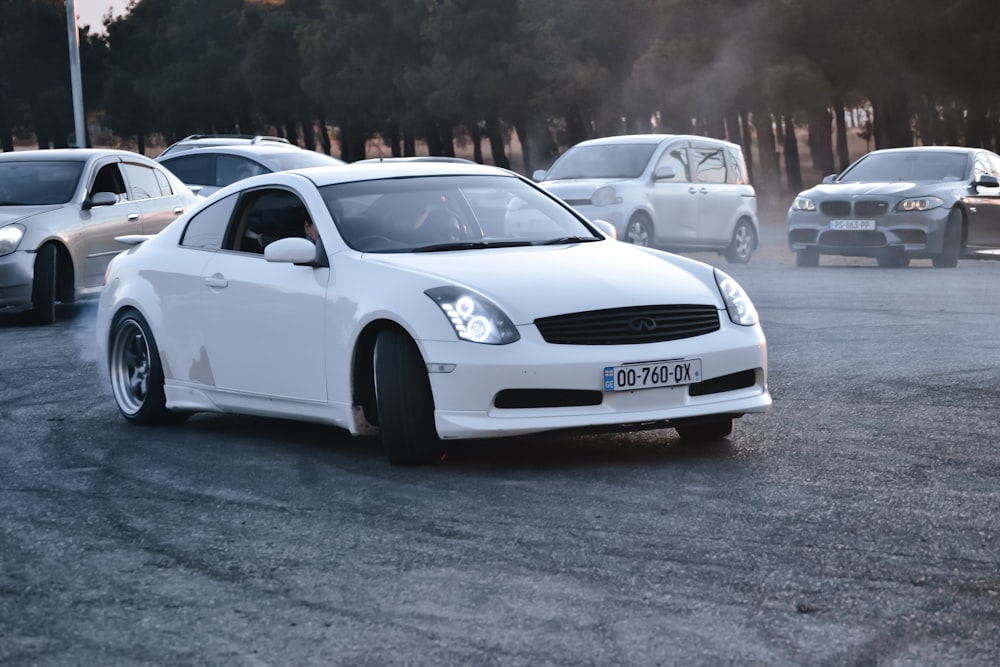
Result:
pixel 741 310
pixel 10 237
pixel 803 204
pixel 919 204
pixel 605 196
pixel 474 317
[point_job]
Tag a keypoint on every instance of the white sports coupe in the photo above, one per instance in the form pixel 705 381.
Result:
pixel 440 302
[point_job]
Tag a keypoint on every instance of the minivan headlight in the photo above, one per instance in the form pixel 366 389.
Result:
pixel 10 237
pixel 605 196
pixel 738 304
pixel 474 317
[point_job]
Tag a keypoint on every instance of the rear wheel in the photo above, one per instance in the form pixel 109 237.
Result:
pixel 807 258
pixel 404 400
pixel 951 247
pixel 639 231
pixel 136 373
pixel 705 431
pixel 742 244
pixel 43 286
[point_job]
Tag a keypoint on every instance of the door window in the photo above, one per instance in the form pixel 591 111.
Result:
pixel 142 181
pixel 207 229
pixel 191 169
pixel 709 164
pixel 229 169
pixel 675 156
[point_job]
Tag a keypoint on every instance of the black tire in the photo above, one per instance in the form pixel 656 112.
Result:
pixel 639 231
pixel 951 248
pixel 43 287
pixel 706 431
pixel 404 400
pixel 136 373
pixel 741 247
pixel 893 258
pixel 807 258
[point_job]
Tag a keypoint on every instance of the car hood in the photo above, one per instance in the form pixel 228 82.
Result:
pixel 10 214
pixel 539 281
pixel 883 189
pixel 579 188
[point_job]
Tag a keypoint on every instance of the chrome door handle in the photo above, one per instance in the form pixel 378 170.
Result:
pixel 217 281
pixel 133 217
pixel 178 210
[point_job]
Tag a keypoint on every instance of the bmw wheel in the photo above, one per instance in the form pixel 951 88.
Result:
pixel 639 231
pixel 136 373
pixel 951 247
pixel 404 401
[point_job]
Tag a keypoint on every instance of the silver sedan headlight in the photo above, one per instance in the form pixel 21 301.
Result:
pixel 10 237
pixel 738 304
pixel 605 196
pixel 474 317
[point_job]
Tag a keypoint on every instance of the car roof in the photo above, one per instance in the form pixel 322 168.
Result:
pixel 252 151
pixel 195 140
pixel 650 139
pixel 370 171
pixel 416 158
pixel 928 149
pixel 68 154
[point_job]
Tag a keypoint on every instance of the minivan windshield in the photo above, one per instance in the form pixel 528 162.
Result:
pixel 602 161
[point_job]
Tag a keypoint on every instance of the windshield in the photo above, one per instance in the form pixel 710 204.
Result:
pixel 908 166
pixel 301 159
pixel 602 161
pixel 441 213
pixel 34 183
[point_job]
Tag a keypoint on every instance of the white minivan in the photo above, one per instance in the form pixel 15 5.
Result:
pixel 670 191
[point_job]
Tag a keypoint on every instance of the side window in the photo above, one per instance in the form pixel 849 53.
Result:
pixel 983 166
pixel 737 167
pixel 109 179
pixel 207 229
pixel 264 217
pixel 141 180
pixel 709 164
pixel 191 169
pixel 995 163
pixel 164 183
pixel 229 169
pixel 677 157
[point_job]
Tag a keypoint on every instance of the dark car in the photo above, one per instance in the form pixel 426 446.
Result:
pixel 60 211
pixel 898 204
pixel 208 167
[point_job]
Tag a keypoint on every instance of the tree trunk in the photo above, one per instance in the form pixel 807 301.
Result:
pixel 747 143
pixel 734 132
pixel 843 153
pixel 820 127
pixel 892 120
pixel 766 183
pixel 409 144
pixel 497 147
pixel 477 142
pixel 447 139
pixel 433 139
pixel 793 170
pixel 324 133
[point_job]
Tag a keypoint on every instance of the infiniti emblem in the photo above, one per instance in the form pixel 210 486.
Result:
pixel 642 324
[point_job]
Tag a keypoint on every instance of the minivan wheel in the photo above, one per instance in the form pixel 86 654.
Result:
pixel 741 247
pixel 639 231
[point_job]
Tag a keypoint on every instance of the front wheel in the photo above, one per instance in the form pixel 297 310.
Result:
pixel 639 231
pixel 742 244
pixel 809 258
pixel 951 247
pixel 706 431
pixel 136 373
pixel 404 401
pixel 43 286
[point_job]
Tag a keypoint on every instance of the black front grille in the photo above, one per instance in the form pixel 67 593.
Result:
pixel 629 326
pixel 836 208
pixel 870 208
pixel 547 398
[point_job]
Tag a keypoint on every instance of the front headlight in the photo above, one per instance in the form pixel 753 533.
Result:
pixel 474 317
pixel 803 204
pixel 741 310
pixel 10 237
pixel 919 204
pixel 605 196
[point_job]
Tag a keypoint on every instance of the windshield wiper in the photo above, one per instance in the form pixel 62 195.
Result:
pixel 568 239
pixel 470 245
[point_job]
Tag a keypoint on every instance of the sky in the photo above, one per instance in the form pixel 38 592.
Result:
pixel 91 12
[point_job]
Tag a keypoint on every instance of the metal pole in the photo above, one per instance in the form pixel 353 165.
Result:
pixel 74 72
